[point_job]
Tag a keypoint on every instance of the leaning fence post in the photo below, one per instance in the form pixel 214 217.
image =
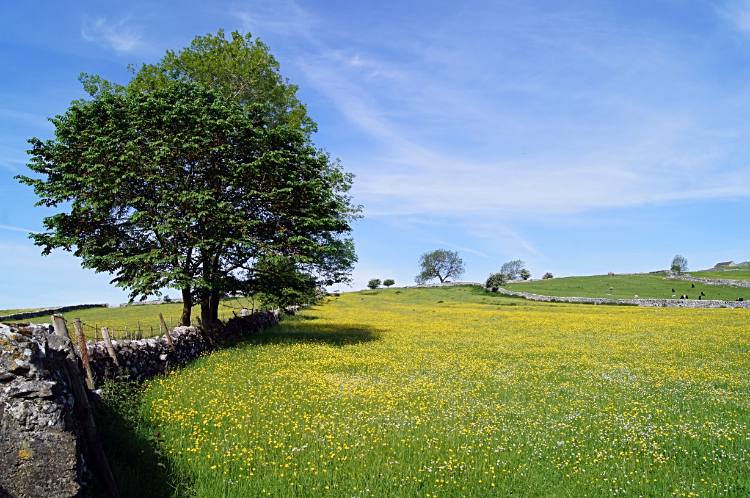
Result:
pixel 169 337
pixel 58 322
pixel 108 345
pixel 81 340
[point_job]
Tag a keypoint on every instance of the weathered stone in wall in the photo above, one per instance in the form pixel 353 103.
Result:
pixel 39 452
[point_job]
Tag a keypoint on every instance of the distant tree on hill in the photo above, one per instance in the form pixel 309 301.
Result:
pixel 525 274
pixel 679 264
pixel 388 282
pixel 441 264
pixel 374 283
pixel 512 269
pixel 547 276
pixel 495 281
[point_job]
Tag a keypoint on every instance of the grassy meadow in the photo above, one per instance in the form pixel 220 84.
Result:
pixel 730 275
pixel 147 316
pixel 457 392
pixel 12 312
pixel 627 286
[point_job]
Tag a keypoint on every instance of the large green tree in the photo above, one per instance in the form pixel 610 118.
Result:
pixel 180 187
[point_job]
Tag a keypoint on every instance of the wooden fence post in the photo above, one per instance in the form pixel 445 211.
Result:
pixel 58 322
pixel 169 337
pixel 97 457
pixel 81 340
pixel 108 345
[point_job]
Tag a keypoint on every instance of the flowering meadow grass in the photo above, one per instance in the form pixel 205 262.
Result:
pixel 456 392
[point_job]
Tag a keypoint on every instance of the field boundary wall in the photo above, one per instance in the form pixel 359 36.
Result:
pixel 50 311
pixel 714 281
pixel 42 443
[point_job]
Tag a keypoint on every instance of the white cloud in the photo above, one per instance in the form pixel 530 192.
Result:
pixel 116 35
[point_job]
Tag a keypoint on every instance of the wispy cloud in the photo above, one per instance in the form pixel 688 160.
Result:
pixel 737 13
pixel 17 229
pixel 117 35
pixel 467 249
pixel 564 111
pixel 282 17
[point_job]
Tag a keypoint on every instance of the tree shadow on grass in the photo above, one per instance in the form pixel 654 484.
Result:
pixel 132 447
pixel 300 331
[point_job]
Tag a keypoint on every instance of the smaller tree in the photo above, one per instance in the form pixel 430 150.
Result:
pixel 374 283
pixel 495 281
pixel 679 264
pixel 525 274
pixel 547 276
pixel 513 269
pixel 441 264
pixel 388 282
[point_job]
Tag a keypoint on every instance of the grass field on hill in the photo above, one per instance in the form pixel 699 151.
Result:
pixel 627 286
pixel 11 312
pixel 131 316
pixel 730 275
pixel 456 392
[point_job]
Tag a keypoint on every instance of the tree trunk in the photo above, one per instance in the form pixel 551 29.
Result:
pixel 205 309
pixel 215 300
pixel 187 307
pixel 441 278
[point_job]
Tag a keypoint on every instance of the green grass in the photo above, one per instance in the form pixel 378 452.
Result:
pixel 395 393
pixel 729 275
pixel 13 312
pixel 652 286
pixel 147 316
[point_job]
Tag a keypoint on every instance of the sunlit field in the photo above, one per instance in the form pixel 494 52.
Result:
pixel 458 392
pixel 649 286
pixel 730 275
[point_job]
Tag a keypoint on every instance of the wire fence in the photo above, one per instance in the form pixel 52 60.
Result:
pixel 147 328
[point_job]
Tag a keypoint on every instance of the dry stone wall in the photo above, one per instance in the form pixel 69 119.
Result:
pixel 713 281
pixel 40 449
pixel 146 358
pixel 49 311
pixel 651 303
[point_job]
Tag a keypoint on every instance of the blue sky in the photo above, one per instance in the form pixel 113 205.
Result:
pixel 580 136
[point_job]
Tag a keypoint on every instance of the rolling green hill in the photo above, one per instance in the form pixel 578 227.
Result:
pixel 646 286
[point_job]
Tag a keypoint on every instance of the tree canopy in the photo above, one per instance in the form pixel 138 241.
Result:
pixel 180 187
pixel 243 70
pixel 441 264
